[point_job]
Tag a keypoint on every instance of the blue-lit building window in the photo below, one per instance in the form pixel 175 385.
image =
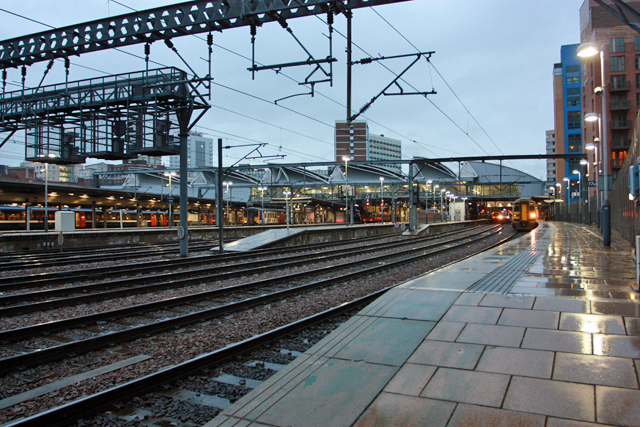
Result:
pixel 573 97
pixel 573 120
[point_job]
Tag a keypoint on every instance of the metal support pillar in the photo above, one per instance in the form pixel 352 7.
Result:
pixel 219 217
pixel 393 203
pixel 412 206
pixel 183 231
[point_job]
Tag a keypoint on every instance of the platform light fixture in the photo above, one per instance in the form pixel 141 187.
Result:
pixel 346 189
pixel 586 50
pixel 46 190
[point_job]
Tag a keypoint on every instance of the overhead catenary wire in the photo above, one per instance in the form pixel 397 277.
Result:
pixel 445 82
pixel 238 91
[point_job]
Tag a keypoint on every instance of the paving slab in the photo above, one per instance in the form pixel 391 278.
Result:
pixel 557 346
pixel 556 398
pixel 457 385
pixel 596 370
pixel 517 361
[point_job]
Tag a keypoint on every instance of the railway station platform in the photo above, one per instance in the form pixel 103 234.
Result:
pixel 542 331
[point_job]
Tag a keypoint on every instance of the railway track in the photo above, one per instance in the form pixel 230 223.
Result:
pixel 376 267
pixel 43 280
pixel 154 282
pixel 12 262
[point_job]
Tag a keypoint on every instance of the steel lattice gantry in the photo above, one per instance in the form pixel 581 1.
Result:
pixel 117 129
pixel 112 118
pixel 163 23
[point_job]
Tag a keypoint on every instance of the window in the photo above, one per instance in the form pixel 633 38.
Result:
pixel 575 143
pixel 637 100
pixel 573 97
pixel 637 81
pixel 573 119
pixel 636 42
pixel 637 62
pixel 573 74
pixel 616 44
pixel 619 101
pixel 616 63
pixel 618 82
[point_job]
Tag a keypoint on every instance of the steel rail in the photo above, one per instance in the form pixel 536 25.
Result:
pixel 172 280
pixel 47 279
pixel 55 353
pixel 59 260
pixel 43 279
pixel 87 406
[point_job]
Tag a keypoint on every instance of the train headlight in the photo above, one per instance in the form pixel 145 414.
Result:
pixel 532 215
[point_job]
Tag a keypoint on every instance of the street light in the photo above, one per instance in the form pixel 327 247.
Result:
pixel 442 205
pixel 426 206
pixel 262 190
pixel 346 190
pixel 568 204
pixel 587 50
pixel 381 200
pixel 586 162
pixel 286 204
pixel 228 183
pixel 592 117
pixel 579 210
pixel 170 174
pixel 558 191
pixel 434 199
pixel 46 191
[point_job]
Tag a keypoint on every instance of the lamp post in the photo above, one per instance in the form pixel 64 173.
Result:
pixel 587 50
pixel 586 162
pixel 426 206
pixel 591 117
pixel 286 204
pixel 558 191
pixel 568 203
pixel 434 199
pixel 228 183
pixel 580 188
pixel 262 198
pixel 170 174
pixel 381 200
pixel 346 190
pixel 442 205
pixel 46 191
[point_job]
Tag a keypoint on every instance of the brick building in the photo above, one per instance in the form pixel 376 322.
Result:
pixel 621 47
pixel 355 142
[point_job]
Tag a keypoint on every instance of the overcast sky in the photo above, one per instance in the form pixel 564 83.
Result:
pixel 492 71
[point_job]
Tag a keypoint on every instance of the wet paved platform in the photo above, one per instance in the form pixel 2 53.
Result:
pixel 543 331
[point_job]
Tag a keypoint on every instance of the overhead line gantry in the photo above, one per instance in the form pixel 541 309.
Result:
pixel 137 113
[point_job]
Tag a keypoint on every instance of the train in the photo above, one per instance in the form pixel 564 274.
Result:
pixel 261 216
pixel 524 215
pixel 14 218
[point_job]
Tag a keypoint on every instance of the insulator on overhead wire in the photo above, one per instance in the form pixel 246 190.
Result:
pixel 366 60
pixel 24 71
pixel 147 49
pixel 67 62
pixel 168 43
pixel 330 17
pixel 210 39
pixel 254 31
